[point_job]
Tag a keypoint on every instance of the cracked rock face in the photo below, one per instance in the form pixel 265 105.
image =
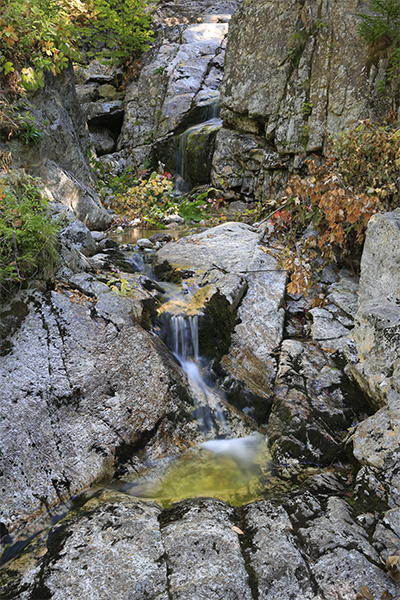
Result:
pixel 294 71
pixel 310 548
pixel 77 390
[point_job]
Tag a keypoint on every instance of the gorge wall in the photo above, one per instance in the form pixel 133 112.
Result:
pixel 295 72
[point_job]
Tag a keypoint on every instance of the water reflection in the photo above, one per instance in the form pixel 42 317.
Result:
pixel 237 471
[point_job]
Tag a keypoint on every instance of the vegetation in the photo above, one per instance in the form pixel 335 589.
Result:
pixel 27 235
pixel 39 36
pixel 338 197
pixel 148 199
pixel 381 30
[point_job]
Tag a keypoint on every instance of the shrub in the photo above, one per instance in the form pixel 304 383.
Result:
pixel 43 35
pixel 28 245
pixel 361 176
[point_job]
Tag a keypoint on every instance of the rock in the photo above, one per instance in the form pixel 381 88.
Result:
pixel 60 187
pixel 65 140
pixel 204 553
pixel 112 545
pixel 250 364
pixel 185 70
pixel 328 331
pixel 76 392
pixel 145 243
pixel 173 220
pixel 103 141
pixel 78 234
pixel 98 235
pixel 119 310
pixel 374 349
pixel 161 237
pixel 246 164
pixel 279 567
pixel 311 79
pixel 313 406
pixel 102 112
pixel 100 71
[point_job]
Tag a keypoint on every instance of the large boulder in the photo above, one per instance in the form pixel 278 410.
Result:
pixel 374 349
pixel 294 72
pixel 61 155
pixel 221 265
pixel 81 387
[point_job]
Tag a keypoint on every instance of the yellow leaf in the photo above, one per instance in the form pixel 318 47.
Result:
pixel 392 560
pixel 41 553
pixel 237 530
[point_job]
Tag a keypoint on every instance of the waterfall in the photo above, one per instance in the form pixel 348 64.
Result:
pixel 181 335
pixel 185 337
pixel 195 146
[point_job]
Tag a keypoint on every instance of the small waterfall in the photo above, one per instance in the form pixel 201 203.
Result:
pixel 181 335
pixel 195 147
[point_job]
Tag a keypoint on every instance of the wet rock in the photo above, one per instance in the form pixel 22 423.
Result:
pixel 76 392
pixel 111 546
pixel 203 551
pixel 184 70
pixel 312 409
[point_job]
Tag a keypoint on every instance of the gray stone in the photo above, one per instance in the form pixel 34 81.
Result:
pixel 118 310
pixel 145 243
pixel 61 187
pixel 312 78
pixel 103 141
pixel 204 554
pixel 78 234
pixel 74 392
pixel 279 567
pixel 311 407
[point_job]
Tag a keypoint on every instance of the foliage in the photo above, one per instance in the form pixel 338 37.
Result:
pixel 17 124
pixel 148 199
pixel 384 24
pixel 27 234
pixel 120 27
pixel 338 197
pixel 39 36
pixel 381 31
pixel 36 36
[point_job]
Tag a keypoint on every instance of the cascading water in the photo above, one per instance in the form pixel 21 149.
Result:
pixel 195 147
pixel 181 334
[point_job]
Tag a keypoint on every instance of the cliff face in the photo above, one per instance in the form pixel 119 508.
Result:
pixel 295 70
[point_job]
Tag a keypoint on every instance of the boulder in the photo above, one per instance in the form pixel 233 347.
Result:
pixel 80 386
pixel 313 78
pixel 373 351
pixel 313 406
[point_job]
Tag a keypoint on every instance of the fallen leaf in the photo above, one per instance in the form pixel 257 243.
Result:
pixel 237 530
pixel 41 553
pixel 392 560
pixel 386 595
pixel 364 589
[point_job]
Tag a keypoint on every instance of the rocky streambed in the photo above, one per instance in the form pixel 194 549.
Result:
pixel 90 398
